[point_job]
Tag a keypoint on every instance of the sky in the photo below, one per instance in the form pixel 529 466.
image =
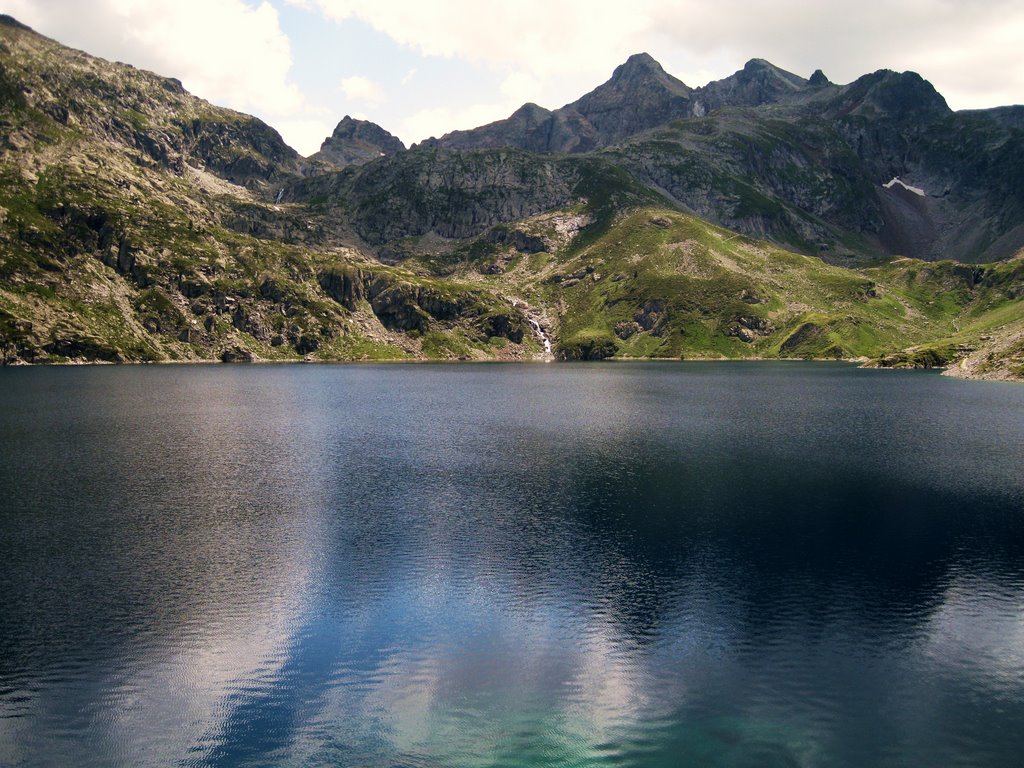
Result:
pixel 421 68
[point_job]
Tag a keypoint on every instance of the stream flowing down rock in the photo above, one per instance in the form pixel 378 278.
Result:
pixel 534 317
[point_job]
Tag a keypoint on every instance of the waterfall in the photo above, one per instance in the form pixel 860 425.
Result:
pixel 532 318
pixel 540 334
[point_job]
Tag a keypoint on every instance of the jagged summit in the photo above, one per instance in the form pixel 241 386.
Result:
pixel 642 67
pixel 637 61
pixel 640 72
pixel 639 95
pixel 355 142
pixel 759 82
pixel 818 79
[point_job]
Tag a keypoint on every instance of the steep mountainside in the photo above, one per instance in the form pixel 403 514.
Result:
pixel 646 219
pixel 805 163
pixel 138 223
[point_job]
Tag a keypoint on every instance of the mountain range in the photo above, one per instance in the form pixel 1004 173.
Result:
pixel 761 215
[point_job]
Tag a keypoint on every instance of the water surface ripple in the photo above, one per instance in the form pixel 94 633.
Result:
pixel 510 565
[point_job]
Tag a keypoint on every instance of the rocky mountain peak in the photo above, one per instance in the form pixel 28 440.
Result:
pixel 639 65
pixel 904 97
pixel 530 113
pixel 642 70
pixel 818 80
pixel 765 71
pixel 639 95
pixel 355 142
pixel 759 82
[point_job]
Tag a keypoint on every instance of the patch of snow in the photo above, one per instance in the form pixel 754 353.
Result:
pixel 896 180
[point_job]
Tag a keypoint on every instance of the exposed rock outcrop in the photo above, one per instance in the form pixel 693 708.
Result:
pixel 355 142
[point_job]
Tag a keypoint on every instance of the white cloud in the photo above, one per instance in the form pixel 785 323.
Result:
pixel 534 35
pixel 521 87
pixel 359 88
pixel 968 49
pixel 304 134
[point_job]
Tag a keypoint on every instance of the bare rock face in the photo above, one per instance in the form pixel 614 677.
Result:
pixel 450 194
pixel 759 82
pixel 639 95
pixel 818 79
pixel 401 305
pixel 355 142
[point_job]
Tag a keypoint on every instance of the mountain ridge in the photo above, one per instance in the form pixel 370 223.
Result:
pixel 140 223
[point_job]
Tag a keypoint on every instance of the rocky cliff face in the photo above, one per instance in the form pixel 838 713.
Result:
pixel 803 162
pixel 759 82
pixel 428 191
pixel 355 142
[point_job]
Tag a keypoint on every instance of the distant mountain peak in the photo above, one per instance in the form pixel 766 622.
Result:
pixel 530 110
pixel 643 68
pixel 759 82
pixel 765 70
pixel 818 79
pixel 637 64
pixel 904 96
pixel 639 95
pixel 356 141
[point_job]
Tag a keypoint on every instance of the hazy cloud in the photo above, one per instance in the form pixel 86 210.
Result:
pixel 305 134
pixel 363 89
pixel 967 48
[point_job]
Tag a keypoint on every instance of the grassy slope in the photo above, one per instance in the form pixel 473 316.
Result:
pixel 660 283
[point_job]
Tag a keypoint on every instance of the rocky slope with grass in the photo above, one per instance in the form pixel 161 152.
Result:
pixel 750 218
pixel 852 173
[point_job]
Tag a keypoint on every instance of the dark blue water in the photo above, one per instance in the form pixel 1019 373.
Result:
pixel 510 565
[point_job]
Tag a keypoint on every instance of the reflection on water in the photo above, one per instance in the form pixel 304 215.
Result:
pixel 706 564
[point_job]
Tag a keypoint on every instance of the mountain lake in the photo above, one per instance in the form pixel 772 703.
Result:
pixel 629 564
